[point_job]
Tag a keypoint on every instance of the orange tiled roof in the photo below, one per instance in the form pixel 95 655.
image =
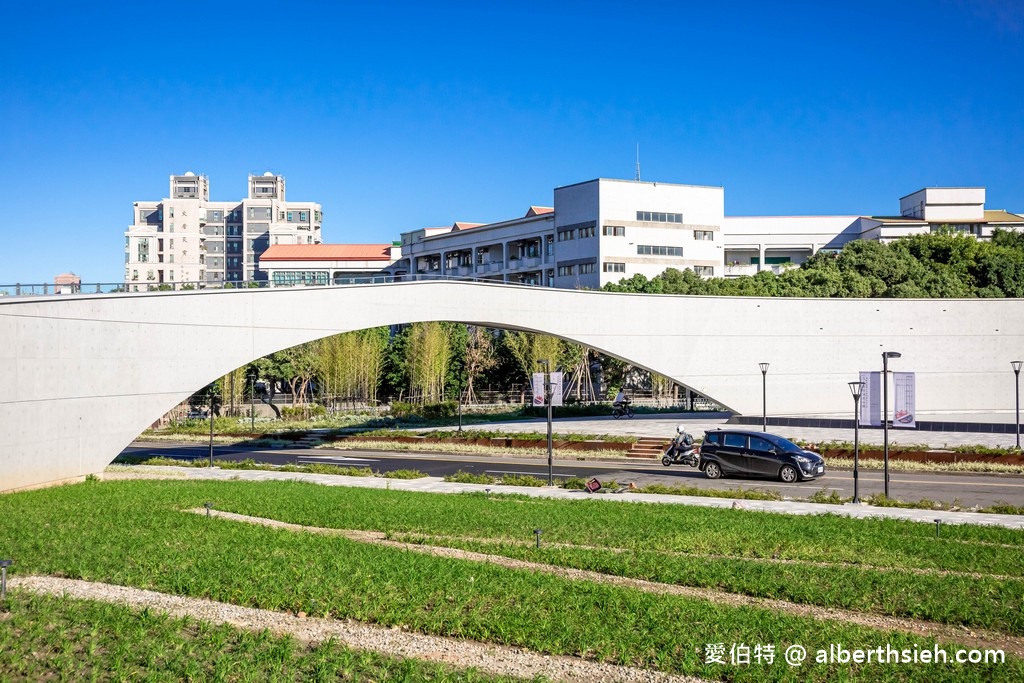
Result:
pixel 459 225
pixel 327 252
pixel 539 211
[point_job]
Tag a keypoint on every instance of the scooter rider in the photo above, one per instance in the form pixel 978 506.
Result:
pixel 681 449
pixel 682 440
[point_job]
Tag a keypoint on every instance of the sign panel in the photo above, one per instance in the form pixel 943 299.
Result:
pixel 871 399
pixel 538 389
pixel 556 388
pixel 904 402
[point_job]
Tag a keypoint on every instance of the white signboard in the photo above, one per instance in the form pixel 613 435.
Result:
pixel 904 403
pixel 556 388
pixel 871 399
pixel 538 389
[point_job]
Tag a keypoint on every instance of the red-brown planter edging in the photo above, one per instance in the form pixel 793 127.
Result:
pixel 929 456
pixel 502 442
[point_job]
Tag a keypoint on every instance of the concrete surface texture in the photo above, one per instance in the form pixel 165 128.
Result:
pixel 90 372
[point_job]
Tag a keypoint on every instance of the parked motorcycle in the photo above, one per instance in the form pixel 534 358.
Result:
pixel 682 451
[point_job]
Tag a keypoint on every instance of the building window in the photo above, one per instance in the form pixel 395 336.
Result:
pixel 704 271
pixel 654 250
pixel 143 250
pixel 614 230
pixel 588 231
pixel 703 235
pixel 170 212
pixel 586 268
pixel 303 216
pixel 290 278
pixel 549 245
pixel 566 235
pixel 659 217
pixel 613 267
pixel 171 276
pixel 565 271
pixel 291 216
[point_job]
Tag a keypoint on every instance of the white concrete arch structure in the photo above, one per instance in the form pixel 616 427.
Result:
pixel 85 374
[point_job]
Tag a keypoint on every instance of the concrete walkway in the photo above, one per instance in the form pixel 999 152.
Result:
pixel 438 485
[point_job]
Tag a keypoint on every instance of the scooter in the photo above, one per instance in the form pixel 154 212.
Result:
pixel 680 453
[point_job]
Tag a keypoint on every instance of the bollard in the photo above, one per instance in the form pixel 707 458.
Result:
pixel 537 533
pixel 937 523
pixel 4 564
pixel 208 506
pixel 487 492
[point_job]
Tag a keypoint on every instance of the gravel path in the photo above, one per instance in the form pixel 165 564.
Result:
pixel 493 659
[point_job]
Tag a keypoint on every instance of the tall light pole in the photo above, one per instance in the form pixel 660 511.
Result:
pixel 211 427
pixel 886 355
pixel 252 404
pixel 764 396
pixel 856 388
pixel 547 399
pixel 1015 364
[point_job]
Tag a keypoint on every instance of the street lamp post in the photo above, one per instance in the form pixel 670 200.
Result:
pixel 547 399
pixel 764 396
pixel 1015 364
pixel 252 404
pixel 460 411
pixel 886 355
pixel 211 428
pixel 856 388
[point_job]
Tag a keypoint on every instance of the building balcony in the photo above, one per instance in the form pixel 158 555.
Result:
pixel 738 270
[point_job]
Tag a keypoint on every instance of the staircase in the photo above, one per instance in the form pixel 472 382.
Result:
pixel 650 448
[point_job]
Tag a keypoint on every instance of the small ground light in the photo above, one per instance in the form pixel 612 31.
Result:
pixel 488 492
pixel 537 533
pixel 938 522
pixel 4 564
pixel 208 506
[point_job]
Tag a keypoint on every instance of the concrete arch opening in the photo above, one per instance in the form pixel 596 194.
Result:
pixel 91 372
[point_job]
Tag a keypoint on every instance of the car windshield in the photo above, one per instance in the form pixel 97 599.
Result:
pixel 786 446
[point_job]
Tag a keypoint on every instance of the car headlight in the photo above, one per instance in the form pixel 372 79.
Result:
pixel 801 458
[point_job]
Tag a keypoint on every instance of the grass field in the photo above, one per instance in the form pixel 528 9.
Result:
pixel 139 533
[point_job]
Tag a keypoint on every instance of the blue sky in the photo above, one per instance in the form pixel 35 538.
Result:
pixel 396 116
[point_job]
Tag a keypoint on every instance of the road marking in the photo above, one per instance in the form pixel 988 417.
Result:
pixel 530 474
pixel 328 458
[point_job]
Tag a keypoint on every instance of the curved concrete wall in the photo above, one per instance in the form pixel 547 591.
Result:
pixel 86 374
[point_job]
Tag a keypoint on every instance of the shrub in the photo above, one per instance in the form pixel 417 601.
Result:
pixel 463 477
pixel 404 474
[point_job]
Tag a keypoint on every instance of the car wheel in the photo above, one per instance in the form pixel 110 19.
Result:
pixel 712 471
pixel 666 461
pixel 789 474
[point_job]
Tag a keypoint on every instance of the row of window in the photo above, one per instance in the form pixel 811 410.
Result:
pixel 288 278
pixel 655 250
pixel 659 217
pixel 577 269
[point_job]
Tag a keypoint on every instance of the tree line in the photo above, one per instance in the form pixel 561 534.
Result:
pixel 943 264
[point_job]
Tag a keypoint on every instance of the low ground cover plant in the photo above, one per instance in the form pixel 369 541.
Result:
pixel 46 638
pixel 140 533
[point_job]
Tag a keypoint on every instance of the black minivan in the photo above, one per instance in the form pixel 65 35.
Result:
pixel 736 451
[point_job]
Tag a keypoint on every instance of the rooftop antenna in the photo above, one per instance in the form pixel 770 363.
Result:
pixel 637 162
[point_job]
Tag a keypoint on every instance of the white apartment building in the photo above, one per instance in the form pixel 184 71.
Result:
pixel 603 230
pixel 186 239
pixel 598 231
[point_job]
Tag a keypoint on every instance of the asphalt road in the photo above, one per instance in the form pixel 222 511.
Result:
pixel 969 489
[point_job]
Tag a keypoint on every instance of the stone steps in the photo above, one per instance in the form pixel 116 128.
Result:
pixel 647 447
